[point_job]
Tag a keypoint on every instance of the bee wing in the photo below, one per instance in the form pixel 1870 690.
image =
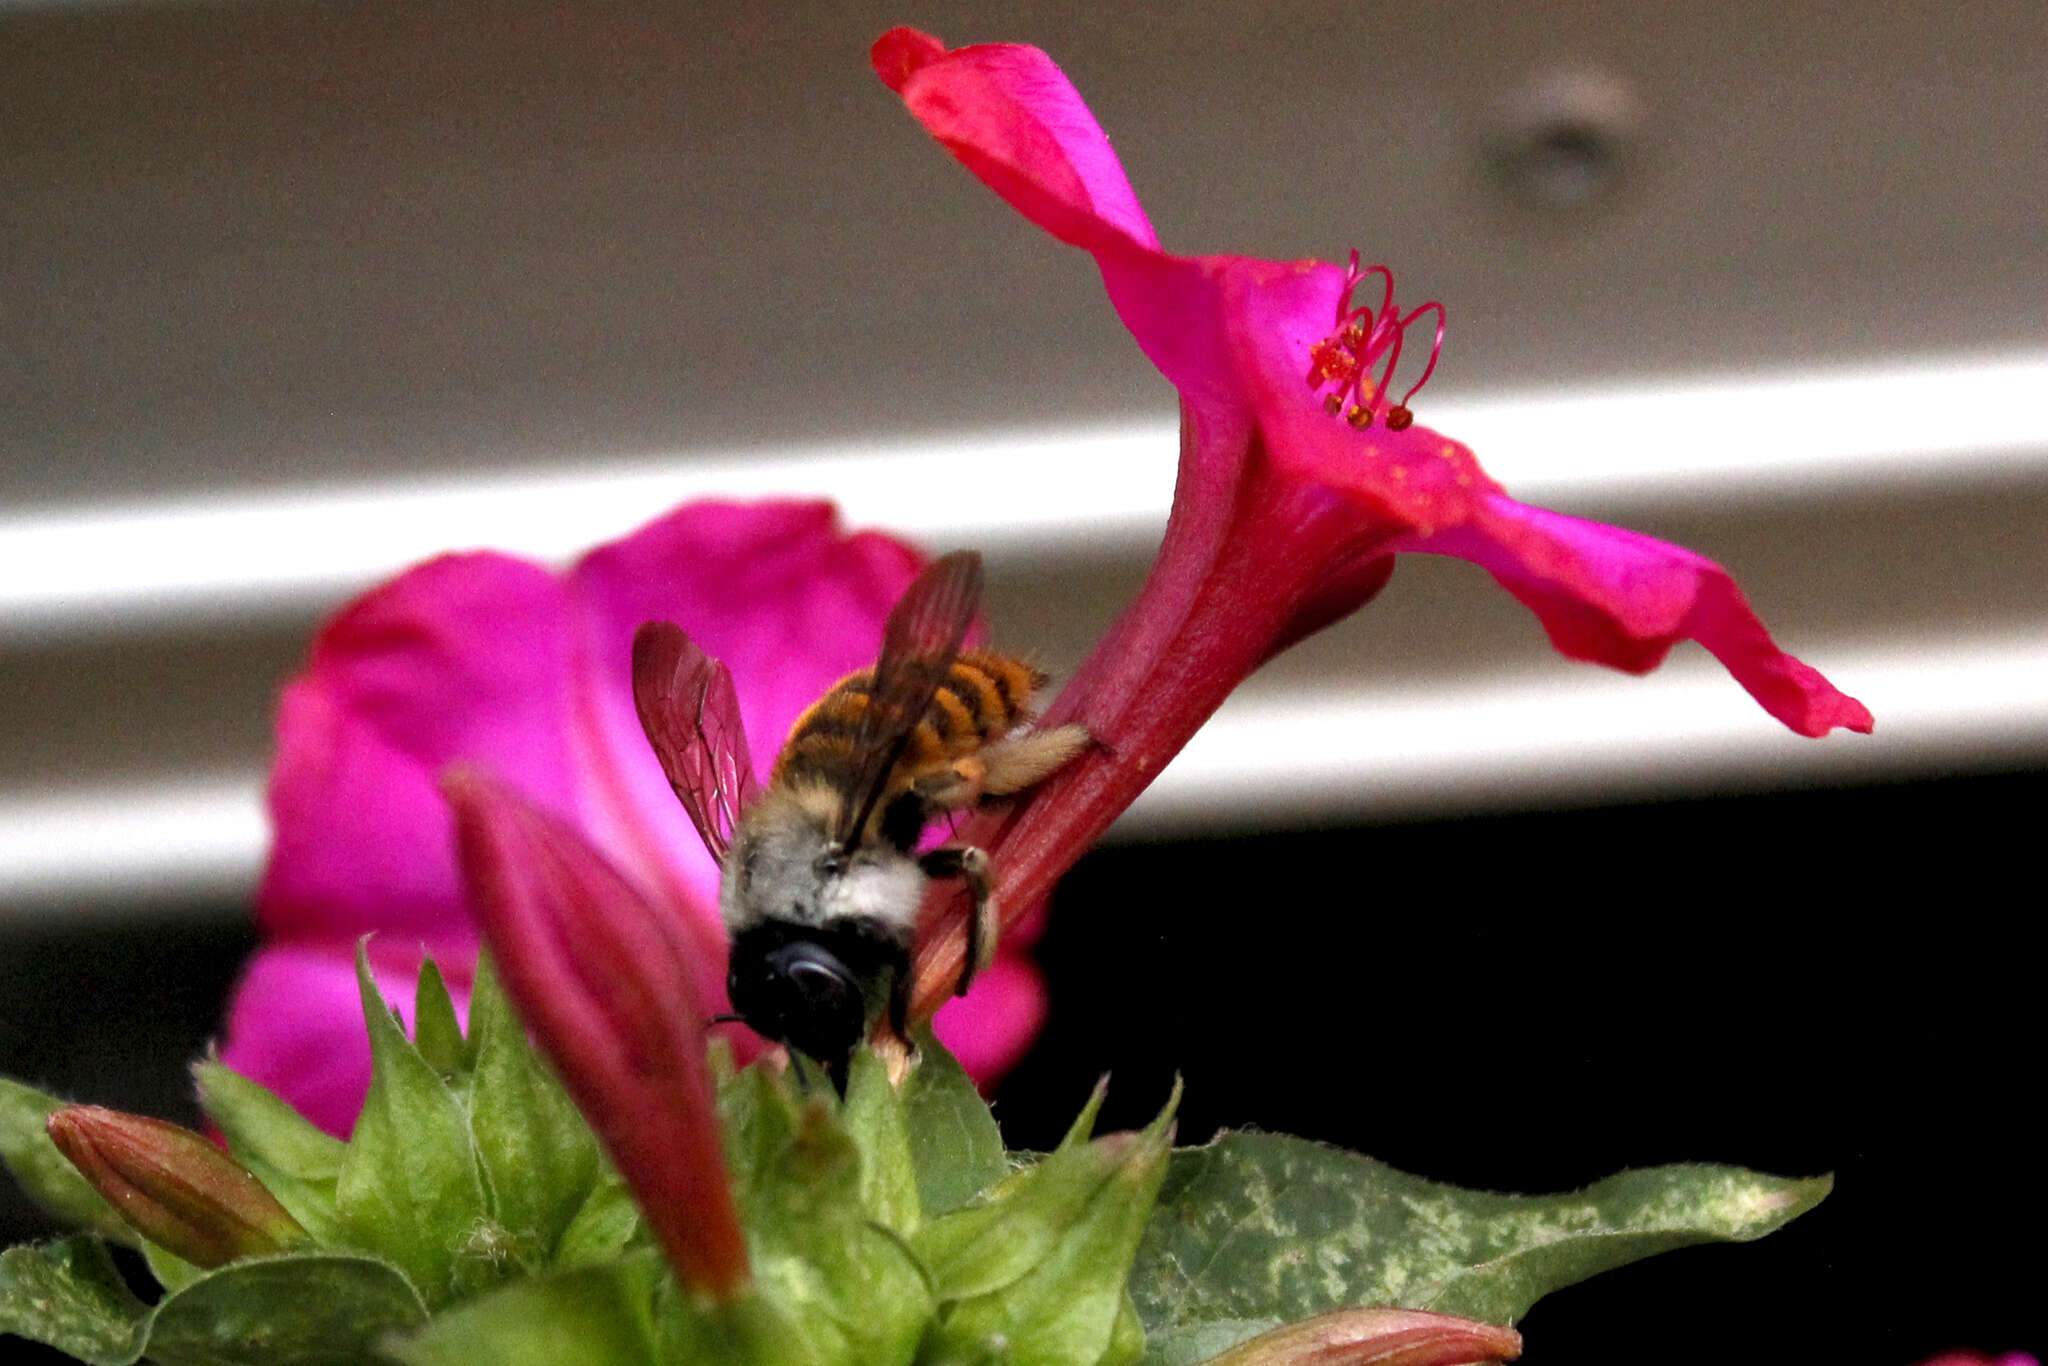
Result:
pixel 920 641
pixel 691 715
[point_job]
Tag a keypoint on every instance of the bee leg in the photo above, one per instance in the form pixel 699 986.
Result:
pixel 955 787
pixel 971 865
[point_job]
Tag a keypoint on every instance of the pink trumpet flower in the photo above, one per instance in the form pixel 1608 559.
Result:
pixel 527 673
pixel 1301 477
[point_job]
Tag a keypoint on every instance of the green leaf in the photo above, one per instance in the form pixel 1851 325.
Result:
pixel 954 1143
pixel 46 1174
pixel 296 1161
pixel 69 1295
pixel 1634 1215
pixel 435 1032
pixel 1261 1227
pixel 308 1309
pixel 874 1119
pixel 590 1316
pixel 409 1188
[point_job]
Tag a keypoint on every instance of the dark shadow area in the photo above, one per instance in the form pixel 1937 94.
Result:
pixel 1802 983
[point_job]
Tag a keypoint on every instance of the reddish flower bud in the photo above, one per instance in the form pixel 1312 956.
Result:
pixel 173 1186
pixel 1377 1337
pixel 603 978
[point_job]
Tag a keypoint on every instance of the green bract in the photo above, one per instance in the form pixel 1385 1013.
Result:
pixel 472 1219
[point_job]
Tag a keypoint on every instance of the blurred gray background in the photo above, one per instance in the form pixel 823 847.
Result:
pixel 312 252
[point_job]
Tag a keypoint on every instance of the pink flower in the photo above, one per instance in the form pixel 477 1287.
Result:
pixel 1299 479
pixel 526 673
pixel 608 980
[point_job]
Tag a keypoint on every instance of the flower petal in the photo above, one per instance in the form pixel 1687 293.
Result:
pixel 1016 121
pixel 1620 598
pixel 465 657
pixel 991 1028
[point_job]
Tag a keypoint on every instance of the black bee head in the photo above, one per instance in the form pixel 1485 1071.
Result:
pixel 799 993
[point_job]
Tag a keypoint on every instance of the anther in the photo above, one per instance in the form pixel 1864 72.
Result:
pixel 1369 339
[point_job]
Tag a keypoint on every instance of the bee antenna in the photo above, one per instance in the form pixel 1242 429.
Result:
pixel 727 1018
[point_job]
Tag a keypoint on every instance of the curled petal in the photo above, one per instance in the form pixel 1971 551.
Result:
pixel 1619 598
pixel 611 996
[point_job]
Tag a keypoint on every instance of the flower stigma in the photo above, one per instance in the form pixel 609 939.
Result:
pixel 1347 357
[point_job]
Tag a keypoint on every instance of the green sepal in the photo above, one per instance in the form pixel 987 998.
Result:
pixel 602 1227
pixel 1069 1307
pixel 990 1244
pixel 537 1153
pixel 172 1272
pixel 845 1286
pixel 955 1146
pixel 409 1187
pixel 295 1160
pixel 70 1296
pixel 874 1119
pixel 1126 1335
pixel 1261 1227
pixel 435 1031
pixel 589 1315
pixel 45 1174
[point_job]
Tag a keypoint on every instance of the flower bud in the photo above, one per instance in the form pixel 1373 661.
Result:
pixel 174 1187
pixel 1377 1337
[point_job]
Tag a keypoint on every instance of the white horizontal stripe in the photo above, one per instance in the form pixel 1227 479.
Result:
pixel 1573 732
pixel 105 567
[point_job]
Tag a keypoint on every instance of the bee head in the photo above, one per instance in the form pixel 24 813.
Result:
pixel 799 993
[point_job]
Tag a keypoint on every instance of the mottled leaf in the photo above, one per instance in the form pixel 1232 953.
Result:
pixel 954 1144
pixel 409 1188
pixel 1258 1226
pixel 69 1295
pixel 537 1152
pixel 308 1309
pixel 44 1173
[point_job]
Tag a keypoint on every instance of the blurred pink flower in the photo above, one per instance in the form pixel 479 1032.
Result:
pixel 1966 1358
pixel 526 673
pixel 1299 480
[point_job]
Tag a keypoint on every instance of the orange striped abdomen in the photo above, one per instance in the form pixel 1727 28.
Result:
pixel 986 694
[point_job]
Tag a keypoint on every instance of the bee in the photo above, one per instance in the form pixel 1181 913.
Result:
pixel 821 876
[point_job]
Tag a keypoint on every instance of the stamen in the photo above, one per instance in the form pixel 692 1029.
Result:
pixel 1364 336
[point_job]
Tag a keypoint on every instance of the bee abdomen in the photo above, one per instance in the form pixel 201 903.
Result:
pixel 985 695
